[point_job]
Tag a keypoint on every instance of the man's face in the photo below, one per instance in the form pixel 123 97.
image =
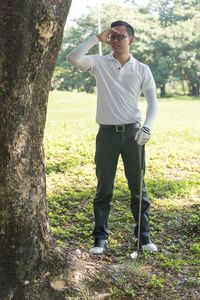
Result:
pixel 120 43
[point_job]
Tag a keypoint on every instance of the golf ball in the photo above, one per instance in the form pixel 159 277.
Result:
pixel 134 255
pixel 77 251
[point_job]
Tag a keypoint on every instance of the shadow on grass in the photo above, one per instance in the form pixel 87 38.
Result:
pixel 174 213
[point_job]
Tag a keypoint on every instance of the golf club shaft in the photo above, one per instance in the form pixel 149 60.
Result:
pixel 141 194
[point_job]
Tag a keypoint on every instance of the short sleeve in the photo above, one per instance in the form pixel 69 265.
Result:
pixel 147 80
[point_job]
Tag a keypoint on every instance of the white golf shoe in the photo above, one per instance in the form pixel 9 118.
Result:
pixel 150 247
pixel 99 247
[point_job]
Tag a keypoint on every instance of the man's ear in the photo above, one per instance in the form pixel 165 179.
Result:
pixel 131 41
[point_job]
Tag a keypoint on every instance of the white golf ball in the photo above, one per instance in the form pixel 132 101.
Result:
pixel 77 251
pixel 134 255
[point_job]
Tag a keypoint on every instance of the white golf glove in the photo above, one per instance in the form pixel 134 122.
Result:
pixel 143 135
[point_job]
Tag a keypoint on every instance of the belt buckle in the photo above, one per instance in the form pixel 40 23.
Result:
pixel 120 128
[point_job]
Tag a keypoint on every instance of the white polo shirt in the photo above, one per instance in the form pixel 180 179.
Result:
pixel 118 88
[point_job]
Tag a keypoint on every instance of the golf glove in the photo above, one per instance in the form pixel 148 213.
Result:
pixel 143 135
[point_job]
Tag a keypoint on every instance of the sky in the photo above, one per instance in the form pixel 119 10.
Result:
pixel 78 7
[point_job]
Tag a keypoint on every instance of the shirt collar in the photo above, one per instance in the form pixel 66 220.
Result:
pixel 111 57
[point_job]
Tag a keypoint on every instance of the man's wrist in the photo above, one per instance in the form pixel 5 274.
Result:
pixel 97 36
pixel 147 125
pixel 146 129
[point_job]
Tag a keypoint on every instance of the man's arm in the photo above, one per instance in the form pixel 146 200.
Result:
pixel 143 135
pixel 78 55
pixel 152 107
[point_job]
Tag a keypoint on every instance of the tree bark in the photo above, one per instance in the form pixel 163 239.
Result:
pixel 183 86
pixel 31 33
pixel 195 90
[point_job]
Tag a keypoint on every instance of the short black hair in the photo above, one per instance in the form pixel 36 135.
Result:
pixel 129 28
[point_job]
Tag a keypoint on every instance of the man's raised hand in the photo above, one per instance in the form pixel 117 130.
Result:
pixel 103 36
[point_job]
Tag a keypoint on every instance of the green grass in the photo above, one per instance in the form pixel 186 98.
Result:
pixel 172 182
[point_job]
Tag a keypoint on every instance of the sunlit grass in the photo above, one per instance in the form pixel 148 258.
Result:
pixel 172 182
pixel 172 155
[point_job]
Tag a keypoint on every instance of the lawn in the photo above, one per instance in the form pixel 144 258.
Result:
pixel 172 182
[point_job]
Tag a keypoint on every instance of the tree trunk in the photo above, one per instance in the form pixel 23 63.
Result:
pixel 162 91
pixel 183 86
pixel 31 33
pixel 195 90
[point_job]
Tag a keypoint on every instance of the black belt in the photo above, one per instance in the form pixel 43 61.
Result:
pixel 120 128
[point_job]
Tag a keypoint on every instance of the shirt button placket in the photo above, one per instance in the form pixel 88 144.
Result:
pixel 121 74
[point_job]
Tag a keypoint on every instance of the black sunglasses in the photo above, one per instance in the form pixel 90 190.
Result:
pixel 119 37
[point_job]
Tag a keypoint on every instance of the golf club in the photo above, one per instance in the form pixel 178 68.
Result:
pixel 135 254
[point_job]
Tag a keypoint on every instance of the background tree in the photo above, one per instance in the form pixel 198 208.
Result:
pixel 166 38
pixel 184 40
pixel 181 21
pixel 86 26
pixel 66 76
pixel 31 34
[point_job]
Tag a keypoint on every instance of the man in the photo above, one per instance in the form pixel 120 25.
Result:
pixel 120 79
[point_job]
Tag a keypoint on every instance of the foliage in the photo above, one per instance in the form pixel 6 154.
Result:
pixel 177 47
pixel 172 182
pixel 167 39
pixel 156 282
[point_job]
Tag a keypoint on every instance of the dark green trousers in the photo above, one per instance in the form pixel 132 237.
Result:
pixel 109 145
